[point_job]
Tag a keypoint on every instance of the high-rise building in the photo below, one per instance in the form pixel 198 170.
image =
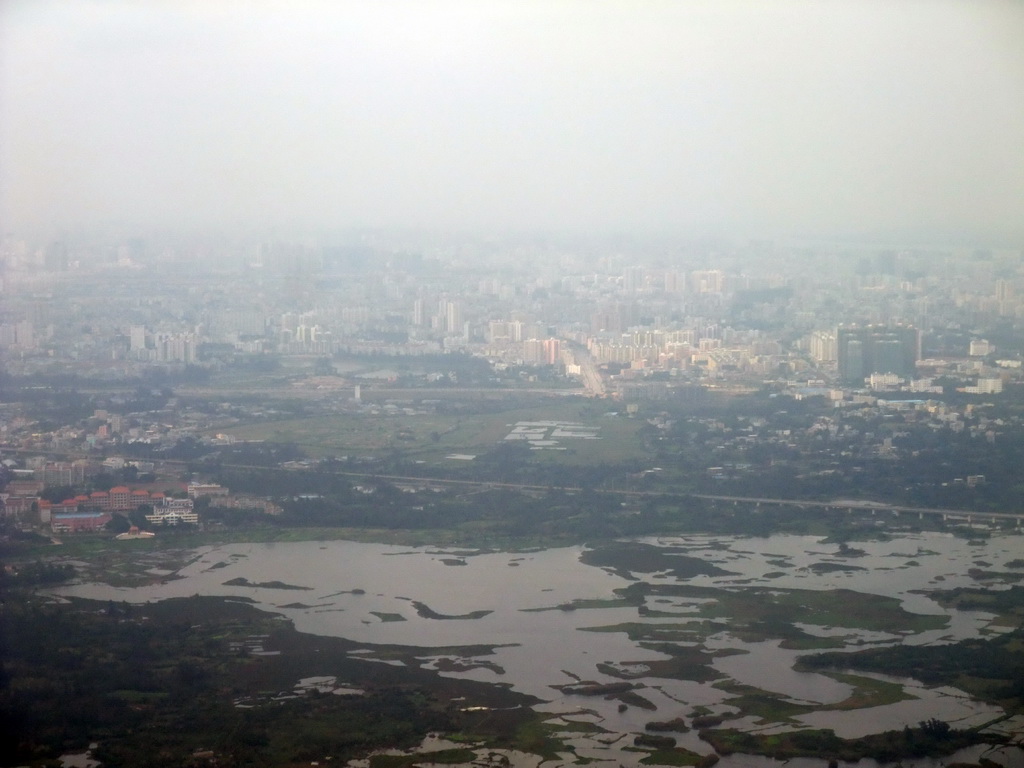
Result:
pixel 449 317
pixel 176 347
pixel 499 331
pixel 552 351
pixel 633 278
pixel 823 346
pixel 20 334
pixel 707 281
pixel 533 351
pixel 870 349
pixel 674 282
pixel 453 317
pixel 137 337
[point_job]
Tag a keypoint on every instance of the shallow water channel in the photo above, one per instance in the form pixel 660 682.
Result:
pixel 540 605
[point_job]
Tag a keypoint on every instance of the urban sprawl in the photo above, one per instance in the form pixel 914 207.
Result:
pixel 895 342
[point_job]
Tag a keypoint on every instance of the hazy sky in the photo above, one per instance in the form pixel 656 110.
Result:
pixel 769 117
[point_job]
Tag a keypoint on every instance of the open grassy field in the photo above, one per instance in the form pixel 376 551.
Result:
pixel 431 437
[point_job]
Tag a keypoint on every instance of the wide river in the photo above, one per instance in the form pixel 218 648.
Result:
pixel 367 593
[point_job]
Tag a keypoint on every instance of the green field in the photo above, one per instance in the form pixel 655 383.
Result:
pixel 431 437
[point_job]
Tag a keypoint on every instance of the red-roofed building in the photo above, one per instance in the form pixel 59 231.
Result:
pixel 78 522
pixel 121 498
pixel 24 487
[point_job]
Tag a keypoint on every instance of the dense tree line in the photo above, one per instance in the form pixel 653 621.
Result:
pixel 992 669
pixel 931 738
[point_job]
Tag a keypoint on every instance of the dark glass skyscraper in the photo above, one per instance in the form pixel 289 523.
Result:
pixel 877 349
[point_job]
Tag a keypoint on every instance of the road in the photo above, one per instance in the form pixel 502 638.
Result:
pixel 864 506
pixel 588 369
pixel 837 505
pixel 373 393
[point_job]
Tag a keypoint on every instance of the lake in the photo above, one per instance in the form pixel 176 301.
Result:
pixel 556 621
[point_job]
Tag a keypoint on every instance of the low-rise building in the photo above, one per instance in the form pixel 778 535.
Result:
pixel 78 522
pixel 173 512
pixel 195 490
